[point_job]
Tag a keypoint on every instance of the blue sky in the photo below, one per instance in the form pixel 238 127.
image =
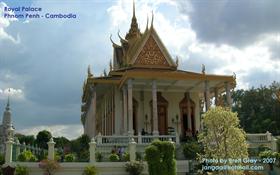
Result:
pixel 44 61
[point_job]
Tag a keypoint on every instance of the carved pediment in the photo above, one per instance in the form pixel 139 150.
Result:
pixel 151 54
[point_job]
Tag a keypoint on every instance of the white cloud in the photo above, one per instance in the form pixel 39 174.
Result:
pixel 68 131
pixel 4 23
pixel 16 94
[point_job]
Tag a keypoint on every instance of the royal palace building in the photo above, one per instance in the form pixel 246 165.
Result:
pixel 145 92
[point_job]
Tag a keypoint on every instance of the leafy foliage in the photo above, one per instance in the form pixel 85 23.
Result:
pixel 42 139
pixel 26 156
pixel 222 137
pixel 160 158
pixel 60 142
pixel 114 157
pixel 2 159
pixel 49 166
pixel 98 156
pixel 80 147
pixel 191 150
pixel 90 170
pixel 269 154
pixel 69 158
pixel 134 168
pixel 28 140
pixel 259 108
pixel 22 170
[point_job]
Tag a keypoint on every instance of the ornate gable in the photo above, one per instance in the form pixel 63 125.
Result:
pixel 151 54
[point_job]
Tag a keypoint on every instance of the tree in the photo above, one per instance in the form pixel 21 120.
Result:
pixel 259 108
pixel 42 139
pixel 60 142
pixel 80 146
pixel 222 138
pixel 28 140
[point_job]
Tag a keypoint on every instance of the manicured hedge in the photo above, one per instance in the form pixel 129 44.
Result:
pixel 160 158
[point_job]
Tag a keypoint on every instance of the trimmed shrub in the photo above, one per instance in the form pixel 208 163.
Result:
pixel 134 168
pixel 139 156
pixel 21 170
pixel 98 156
pixel 69 158
pixel 126 156
pixel 114 157
pixel 26 156
pixel 190 150
pixel 160 158
pixel 90 170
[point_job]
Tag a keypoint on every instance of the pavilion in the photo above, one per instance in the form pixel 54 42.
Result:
pixel 145 90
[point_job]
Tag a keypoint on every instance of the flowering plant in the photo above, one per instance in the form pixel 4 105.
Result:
pixel 49 166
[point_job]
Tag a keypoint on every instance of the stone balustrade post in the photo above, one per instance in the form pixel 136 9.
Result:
pixel 132 150
pixel 17 148
pixel 177 138
pixel 92 147
pixel 9 151
pixel 268 135
pixel 51 152
pixel 139 138
pixel 24 146
pixel 274 145
pixel 99 138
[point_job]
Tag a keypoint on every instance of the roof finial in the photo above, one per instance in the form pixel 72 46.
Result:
pixel 8 101
pixel 177 61
pixel 147 26
pixel 152 23
pixel 134 9
pixel 89 72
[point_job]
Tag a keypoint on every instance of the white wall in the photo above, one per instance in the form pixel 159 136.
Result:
pixel 104 168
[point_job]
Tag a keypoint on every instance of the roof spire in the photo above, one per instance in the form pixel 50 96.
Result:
pixel 133 9
pixel 134 31
pixel 89 72
pixel 8 101
pixel 152 23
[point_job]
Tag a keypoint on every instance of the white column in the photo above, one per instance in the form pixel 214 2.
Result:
pixel 155 111
pixel 51 151
pixel 112 113
pixel 92 146
pixel 207 95
pixel 124 110
pixel 9 151
pixel 94 112
pixel 130 107
pixel 228 94
pixel 105 117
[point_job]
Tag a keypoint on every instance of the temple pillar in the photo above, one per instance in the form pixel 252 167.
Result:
pixel 124 123
pixel 207 95
pixel 130 107
pixel 105 116
pixel 228 94
pixel 94 112
pixel 155 111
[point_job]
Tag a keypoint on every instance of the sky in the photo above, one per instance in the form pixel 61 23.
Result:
pixel 44 61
